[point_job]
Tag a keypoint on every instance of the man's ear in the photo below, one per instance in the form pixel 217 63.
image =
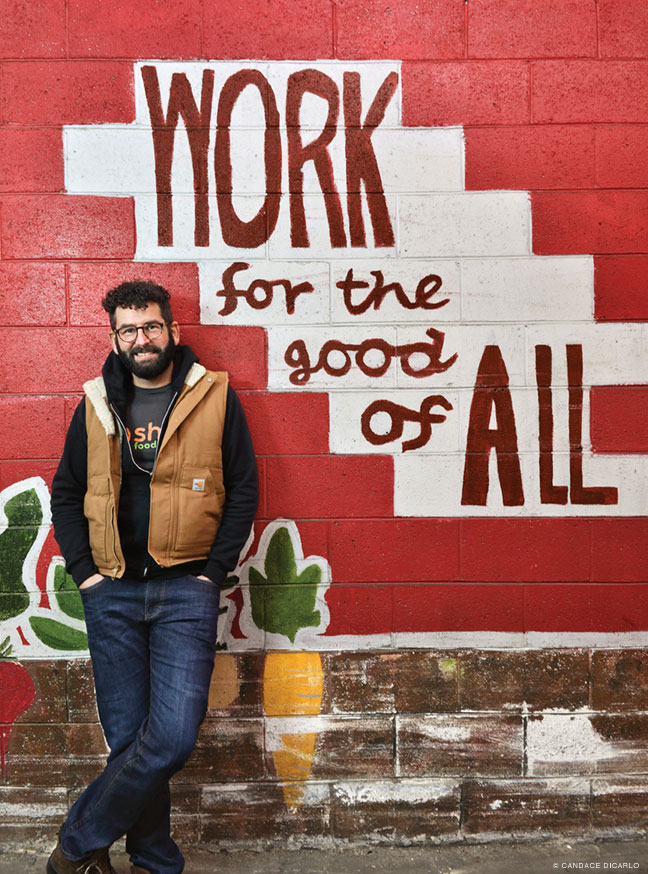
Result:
pixel 174 330
pixel 113 340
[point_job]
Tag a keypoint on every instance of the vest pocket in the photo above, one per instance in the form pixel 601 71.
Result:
pixel 200 505
pixel 97 507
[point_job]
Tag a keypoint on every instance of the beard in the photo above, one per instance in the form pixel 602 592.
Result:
pixel 153 367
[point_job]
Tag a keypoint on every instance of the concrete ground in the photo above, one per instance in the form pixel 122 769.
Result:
pixel 496 858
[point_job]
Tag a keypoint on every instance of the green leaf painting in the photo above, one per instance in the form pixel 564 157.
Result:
pixel 67 594
pixel 24 515
pixel 56 635
pixel 283 601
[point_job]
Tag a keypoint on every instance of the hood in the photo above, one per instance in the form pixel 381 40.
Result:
pixel 119 381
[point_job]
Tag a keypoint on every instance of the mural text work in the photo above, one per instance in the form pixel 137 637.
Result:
pixel 418 306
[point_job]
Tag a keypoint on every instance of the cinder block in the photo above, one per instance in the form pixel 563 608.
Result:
pixel 32 294
pixel 525 30
pixel 525 549
pixel 227 750
pixel 31 160
pixel 526 289
pixel 623 29
pixel 55 755
pixel 346 746
pixel 530 157
pixel 426 681
pixel 50 705
pixel 268 818
pixel 584 607
pixel 26 357
pixel 53 226
pixel 619 418
pixel 291 30
pixel 236 688
pixel 530 680
pixel 619 287
pixel 240 351
pixel 409 31
pixel 81 701
pixel 150 30
pixel 420 609
pixel 287 424
pixel 395 550
pixel 68 92
pixel 32 806
pixel 360 610
pixel 621 153
pixel 361 682
pixel 593 222
pixel 460 745
pixel 620 679
pixel 465 92
pixel 14 471
pixel 617 553
pixel 89 282
pixel 329 487
pixel 588 91
pixel 19 441
pixel 619 802
pixel 584 743
pixel 478 223
pixel 526 806
pixel 389 810
pixel 269 293
pixel 29 31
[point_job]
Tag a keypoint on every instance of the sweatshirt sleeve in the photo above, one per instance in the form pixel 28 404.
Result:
pixel 241 492
pixel 68 493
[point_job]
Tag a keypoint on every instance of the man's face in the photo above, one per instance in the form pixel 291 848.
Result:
pixel 143 357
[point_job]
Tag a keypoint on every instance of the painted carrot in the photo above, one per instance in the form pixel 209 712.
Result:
pixel 282 602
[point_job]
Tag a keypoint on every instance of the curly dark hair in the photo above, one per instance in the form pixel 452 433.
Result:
pixel 137 294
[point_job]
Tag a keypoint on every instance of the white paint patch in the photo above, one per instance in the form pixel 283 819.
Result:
pixel 554 739
pixel 407 792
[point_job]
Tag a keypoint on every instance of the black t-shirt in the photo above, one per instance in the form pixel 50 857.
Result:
pixel 144 418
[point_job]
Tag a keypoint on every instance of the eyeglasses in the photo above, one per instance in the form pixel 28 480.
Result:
pixel 152 330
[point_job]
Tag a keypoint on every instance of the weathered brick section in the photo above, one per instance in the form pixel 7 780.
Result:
pixel 414 744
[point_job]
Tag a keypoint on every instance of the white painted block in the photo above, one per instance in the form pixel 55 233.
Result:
pixel 184 248
pixel 108 160
pixel 261 303
pixel 416 160
pixel 612 353
pixel 391 409
pixel 333 349
pixel 527 289
pixel 248 110
pixel 467 342
pixel 408 274
pixel 476 223
pixel 559 741
pixel 319 232
pixel 314 109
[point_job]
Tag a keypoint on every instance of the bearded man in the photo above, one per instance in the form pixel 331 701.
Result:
pixel 152 503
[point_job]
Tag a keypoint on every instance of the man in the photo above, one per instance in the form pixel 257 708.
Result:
pixel 152 503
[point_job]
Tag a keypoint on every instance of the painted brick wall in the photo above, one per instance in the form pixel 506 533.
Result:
pixel 461 514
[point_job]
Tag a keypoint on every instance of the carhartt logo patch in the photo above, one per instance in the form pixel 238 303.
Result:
pixel 198 485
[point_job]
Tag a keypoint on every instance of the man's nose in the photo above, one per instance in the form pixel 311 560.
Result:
pixel 141 335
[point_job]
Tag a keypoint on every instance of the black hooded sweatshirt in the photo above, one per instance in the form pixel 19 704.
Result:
pixel 70 483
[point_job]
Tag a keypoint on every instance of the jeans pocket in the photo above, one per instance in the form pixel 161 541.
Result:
pixel 98 585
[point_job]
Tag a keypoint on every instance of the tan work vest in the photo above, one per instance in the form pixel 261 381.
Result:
pixel 187 490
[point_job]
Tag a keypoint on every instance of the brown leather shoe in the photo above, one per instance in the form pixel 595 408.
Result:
pixel 137 870
pixel 97 862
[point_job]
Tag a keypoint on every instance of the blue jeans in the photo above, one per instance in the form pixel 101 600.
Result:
pixel 152 646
